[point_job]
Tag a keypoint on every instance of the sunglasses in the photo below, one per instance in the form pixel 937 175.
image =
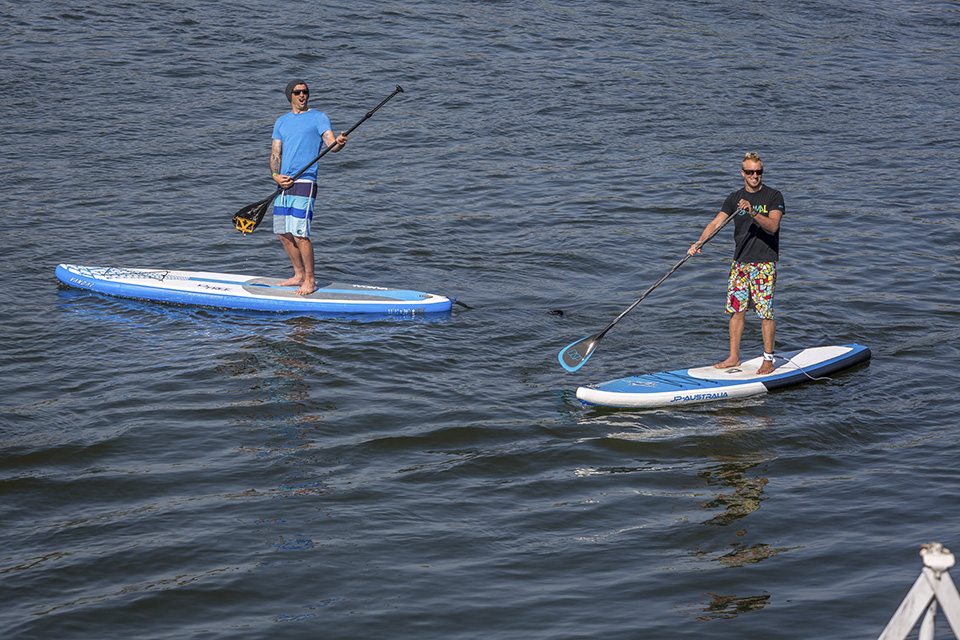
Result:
pixel 750 172
pixel 297 92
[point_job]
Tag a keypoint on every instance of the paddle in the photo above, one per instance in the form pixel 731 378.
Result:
pixel 248 218
pixel 574 355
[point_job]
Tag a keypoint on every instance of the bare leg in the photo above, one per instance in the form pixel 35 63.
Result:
pixel 309 283
pixel 293 252
pixel 769 329
pixel 737 321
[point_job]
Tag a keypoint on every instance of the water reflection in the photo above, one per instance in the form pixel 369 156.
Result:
pixel 724 476
pixel 725 607
pixel 739 493
pixel 745 495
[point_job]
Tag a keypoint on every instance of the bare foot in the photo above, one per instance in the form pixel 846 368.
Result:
pixel 726 364
pixel 295 281
pixel 765 368
pixel 306 288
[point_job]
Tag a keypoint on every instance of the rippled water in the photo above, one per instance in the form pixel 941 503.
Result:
pixel 171 472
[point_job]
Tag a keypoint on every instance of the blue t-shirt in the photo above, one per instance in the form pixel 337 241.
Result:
pixel 302 138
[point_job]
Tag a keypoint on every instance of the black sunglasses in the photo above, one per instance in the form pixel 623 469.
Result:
pixel 297 92
pixel 749 172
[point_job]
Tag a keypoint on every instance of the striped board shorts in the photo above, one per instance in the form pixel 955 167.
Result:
pixel 752 282
pixel 293 209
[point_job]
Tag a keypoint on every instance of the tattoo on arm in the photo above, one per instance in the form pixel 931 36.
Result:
pixel 276 155
pixel 330 140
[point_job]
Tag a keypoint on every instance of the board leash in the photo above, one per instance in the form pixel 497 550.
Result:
pixel 802 370
pixel 553 312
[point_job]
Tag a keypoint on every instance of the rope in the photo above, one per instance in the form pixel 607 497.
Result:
pixel 802 370
pixel 554 312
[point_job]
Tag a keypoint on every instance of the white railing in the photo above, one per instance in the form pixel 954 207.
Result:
pixel 933 586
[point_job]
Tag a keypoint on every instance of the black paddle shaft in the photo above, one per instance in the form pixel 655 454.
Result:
pixel 575 355
pixel 399 89
pixel 667 275
pixel 249 217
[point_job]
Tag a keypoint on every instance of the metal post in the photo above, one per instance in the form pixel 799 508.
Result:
pixel 932 587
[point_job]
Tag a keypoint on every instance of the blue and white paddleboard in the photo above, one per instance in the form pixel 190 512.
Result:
pixel 708 384
pixel 230 291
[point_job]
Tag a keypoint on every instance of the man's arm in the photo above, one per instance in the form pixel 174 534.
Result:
pixel 335 143
pixel 276 158
pixel 276 155
pixel 713 226
pixel 769 222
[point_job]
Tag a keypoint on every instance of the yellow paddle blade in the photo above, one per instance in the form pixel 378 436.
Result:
pixel 248 218
pixel 244 225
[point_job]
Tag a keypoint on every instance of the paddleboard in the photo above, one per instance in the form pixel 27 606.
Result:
pixel 708 384
pixel 230 291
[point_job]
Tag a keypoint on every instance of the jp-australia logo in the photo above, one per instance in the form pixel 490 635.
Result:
pixel 696 397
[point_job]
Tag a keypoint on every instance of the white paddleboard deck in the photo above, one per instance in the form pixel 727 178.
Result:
pixel 231 291
pixel 709 384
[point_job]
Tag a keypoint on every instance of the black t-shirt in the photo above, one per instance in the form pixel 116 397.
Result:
pixel 754 243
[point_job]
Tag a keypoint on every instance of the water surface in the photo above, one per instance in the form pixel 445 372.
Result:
pixel 171 472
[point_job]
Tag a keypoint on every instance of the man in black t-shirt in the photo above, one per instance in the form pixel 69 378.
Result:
pixel 753 273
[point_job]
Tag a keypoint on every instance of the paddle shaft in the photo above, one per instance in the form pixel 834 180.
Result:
pixel 399 89
pixel 575 354
pixel 667 275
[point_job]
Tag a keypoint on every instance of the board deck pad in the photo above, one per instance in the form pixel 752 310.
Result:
pixel 709 384
pixel 232 291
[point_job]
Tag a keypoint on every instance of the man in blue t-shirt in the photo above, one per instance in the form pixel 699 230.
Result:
pixel 753 273
pixel 297 140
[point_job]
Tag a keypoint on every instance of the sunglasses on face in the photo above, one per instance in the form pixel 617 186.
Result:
pixel 751 172
pixel 297 92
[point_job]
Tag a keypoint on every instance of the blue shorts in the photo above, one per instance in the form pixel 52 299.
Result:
pixel 293 209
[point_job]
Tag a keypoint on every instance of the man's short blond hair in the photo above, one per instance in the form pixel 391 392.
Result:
pixel 751 155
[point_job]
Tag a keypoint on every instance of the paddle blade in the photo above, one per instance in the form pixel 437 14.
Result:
pixel 574 355
pixel 248 218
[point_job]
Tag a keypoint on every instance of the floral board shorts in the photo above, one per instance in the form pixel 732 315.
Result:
pixel 752 282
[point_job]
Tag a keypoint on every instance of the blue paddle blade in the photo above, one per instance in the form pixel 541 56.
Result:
pixel 574 355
